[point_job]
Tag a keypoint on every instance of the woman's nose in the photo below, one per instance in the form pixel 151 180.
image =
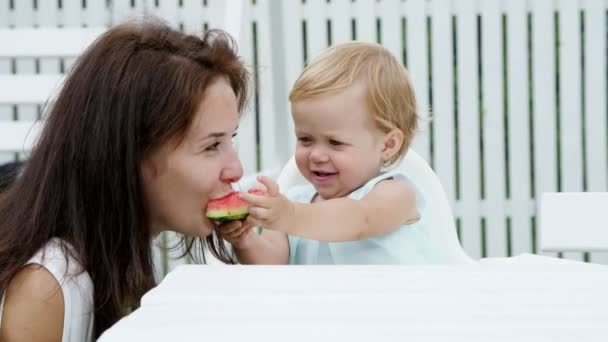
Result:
pixel 233 171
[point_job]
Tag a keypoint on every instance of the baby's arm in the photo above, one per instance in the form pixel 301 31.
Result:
pixel 270 247
pixel 388 205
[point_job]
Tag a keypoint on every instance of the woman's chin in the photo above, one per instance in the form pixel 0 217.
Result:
pixel 207 227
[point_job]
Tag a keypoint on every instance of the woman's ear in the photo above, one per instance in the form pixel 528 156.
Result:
pixel 148 170
pixel 392 143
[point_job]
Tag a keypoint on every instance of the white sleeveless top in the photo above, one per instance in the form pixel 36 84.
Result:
pixel 77 291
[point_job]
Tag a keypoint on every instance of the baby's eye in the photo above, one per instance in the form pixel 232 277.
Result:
pixel 304 140
pixel 335 142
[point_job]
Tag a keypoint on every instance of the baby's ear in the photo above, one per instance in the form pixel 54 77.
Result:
pixel 392 143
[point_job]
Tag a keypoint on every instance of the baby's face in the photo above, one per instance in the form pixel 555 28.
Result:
pixel 339 148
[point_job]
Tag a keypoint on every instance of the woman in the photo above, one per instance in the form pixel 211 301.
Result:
pixel 137 142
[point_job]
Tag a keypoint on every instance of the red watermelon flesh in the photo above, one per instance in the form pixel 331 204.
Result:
pixel 230 207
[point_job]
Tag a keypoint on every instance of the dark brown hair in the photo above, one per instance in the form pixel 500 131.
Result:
pixel 135 88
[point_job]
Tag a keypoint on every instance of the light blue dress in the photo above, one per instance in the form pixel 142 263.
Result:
pixel 407 244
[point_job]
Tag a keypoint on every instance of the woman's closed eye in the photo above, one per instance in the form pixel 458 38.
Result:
pixel 218 143
pixel 213 147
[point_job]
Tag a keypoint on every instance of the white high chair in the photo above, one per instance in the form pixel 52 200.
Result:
pixel 441 220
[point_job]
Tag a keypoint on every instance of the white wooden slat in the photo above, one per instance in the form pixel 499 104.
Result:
pixel 49 42
pixel 24 16
pixel 6 111
pixel 365 18
pixel 192 16
pixel 468 127
pixel 510 207
pixel 418 67
pixel 543 96
pixel 18 136
pixel 216 12
pixel 48 17
pixel 443 97
pixel 390 14
pixel 10 15
pixel 315 12
pixel 340 14
pixel 48 14
pixel 121 10
pixel 595 103
pixel 169 11
pixel 51 67
pixel 518 121
pixel 570 101
pixel 24 13
pixel 232 17
pixel 246 139
pixel 272 122
pixel 570 96
pixel 493 130
pixel 96 14
pixel 28 89
pixel 595 97
pixel 286 137
pixel 4 12
pixel 72 13
pixel 293 51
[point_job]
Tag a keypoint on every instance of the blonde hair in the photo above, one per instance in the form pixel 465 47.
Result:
pixel 390 95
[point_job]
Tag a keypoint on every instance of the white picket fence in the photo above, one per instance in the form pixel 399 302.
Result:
pixel 517 90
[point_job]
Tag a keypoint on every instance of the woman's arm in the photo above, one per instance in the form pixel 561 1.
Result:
pixel 33 307
pixel 388 205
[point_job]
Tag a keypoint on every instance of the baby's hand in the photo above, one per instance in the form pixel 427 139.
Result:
pixel 271 210
pixel 239 233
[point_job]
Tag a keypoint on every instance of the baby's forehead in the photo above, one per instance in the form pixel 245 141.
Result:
pixel 335 124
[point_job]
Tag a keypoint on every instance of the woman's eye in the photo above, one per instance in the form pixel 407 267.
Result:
pixel 213 147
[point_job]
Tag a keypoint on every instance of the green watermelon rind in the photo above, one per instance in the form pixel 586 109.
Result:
pixel 227 217
pixel 232 214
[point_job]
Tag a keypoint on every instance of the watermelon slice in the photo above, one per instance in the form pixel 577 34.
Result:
pixel 230 207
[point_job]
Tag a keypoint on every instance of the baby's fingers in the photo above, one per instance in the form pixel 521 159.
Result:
pixel 255 200
pixel 271 186
pixel 258 216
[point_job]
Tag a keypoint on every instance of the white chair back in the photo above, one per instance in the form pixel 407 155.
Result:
pixel 574 221
pixel 441 219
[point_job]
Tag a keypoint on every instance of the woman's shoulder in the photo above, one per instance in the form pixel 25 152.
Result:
pixel 33 307
pixel 60 258
pixel 53 282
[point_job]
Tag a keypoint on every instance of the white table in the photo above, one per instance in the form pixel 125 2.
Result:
pixel 516 299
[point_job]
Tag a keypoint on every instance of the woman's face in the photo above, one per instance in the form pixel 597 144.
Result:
pixel 178 181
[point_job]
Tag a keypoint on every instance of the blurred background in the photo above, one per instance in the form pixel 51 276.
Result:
pixel 517 90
